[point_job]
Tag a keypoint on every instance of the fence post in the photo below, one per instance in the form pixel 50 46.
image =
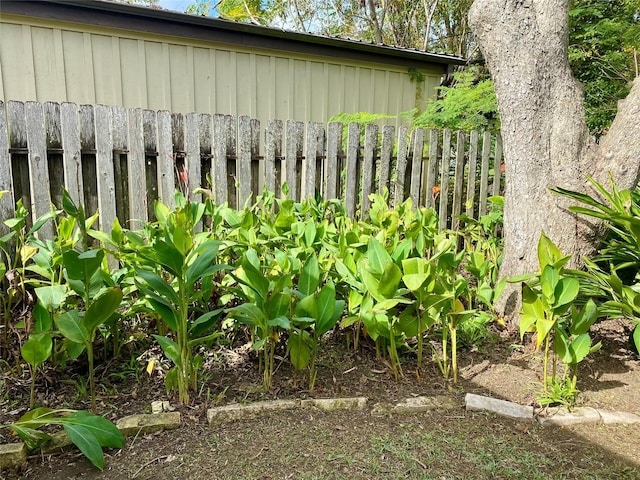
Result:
pixel 401 165
pixel 219 160
pixel 166 159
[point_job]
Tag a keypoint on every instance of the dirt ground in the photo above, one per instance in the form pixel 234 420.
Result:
pixel 357 445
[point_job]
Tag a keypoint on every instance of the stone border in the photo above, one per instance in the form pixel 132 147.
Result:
pixel 557 416
pixel 12 455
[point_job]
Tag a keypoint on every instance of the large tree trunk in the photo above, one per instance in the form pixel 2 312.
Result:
pixel 546 140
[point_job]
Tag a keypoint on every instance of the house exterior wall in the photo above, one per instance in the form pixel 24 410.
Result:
pixel 47 60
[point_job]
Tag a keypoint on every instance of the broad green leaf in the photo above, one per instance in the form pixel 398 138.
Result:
pixel 566 291
pixel 309 233
pixel 70 325
pixel 170 348
pixel 309 276
pixel 32 438
pixel 299 351
pixel 527 324
pixel 169 257
pixel 248 314
pixel 167 313
pixel 377 256
pixel 581 347
pixel 102 308
pixel 82 266
pixel 548 282
pixel 278 305
pixel 51 296
pixel 255 278
pixel 102 429
pixel 42 317
pixel 158 285
pixel 585 318
pixel 307 307
pixel 205 255
pixel 326 302
pixel 636 337
pixel 86 443
pixel 562 347
pixel 548 253
pixel 162 212
pixel 543 328
pixel 68 204
pixel 282 322
pixel 390 280
pixel 37 349
pixel 371 283
pixel 531 304
pixel 204 321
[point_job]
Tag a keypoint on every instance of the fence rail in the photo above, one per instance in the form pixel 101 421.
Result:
pixel 119 161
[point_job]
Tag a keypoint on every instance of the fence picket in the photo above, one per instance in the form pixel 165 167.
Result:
pixel 444 179
pixel 497 164
pixel 244 161
pixel 416 166
pixel 38 167
pixel 229 136
pixel 333 163
pixel 401 166
pixel 484 173
pixel 471 173
pixel 293 157
pixel 368 167
pixel 353 143
pixel 384 163
pixel 273 157
pixel 312 172
pixel 6 182
pixel 165 162
pixel 104 168
pixel 120 151
pixel 192 159
pixel 55 162
pixel 136 171
pixel 432 170
pixel 458 184
pixel 71 156
pixel 219 160
pixel 254 125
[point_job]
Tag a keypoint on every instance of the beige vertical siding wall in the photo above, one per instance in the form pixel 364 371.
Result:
pixel 48 61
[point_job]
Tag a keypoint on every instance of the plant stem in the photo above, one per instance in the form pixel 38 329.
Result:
pixel 32 397
pixel 454 354
pixel 545 364
pixel 445 356
pixel 92 387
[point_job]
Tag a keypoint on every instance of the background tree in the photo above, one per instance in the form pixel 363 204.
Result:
pixel 546 139
pixel 604 44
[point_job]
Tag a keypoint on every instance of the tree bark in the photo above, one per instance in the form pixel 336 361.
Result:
pixel 546 140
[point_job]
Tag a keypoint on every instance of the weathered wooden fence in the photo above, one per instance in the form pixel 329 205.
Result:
pixel 119 161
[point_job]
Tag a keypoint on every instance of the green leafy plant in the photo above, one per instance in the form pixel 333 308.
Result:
pixel 90 433
pixel 266 307
pixel 548 310
pixel 172 267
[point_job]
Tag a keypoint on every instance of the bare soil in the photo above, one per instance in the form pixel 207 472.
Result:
pixel 355 445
